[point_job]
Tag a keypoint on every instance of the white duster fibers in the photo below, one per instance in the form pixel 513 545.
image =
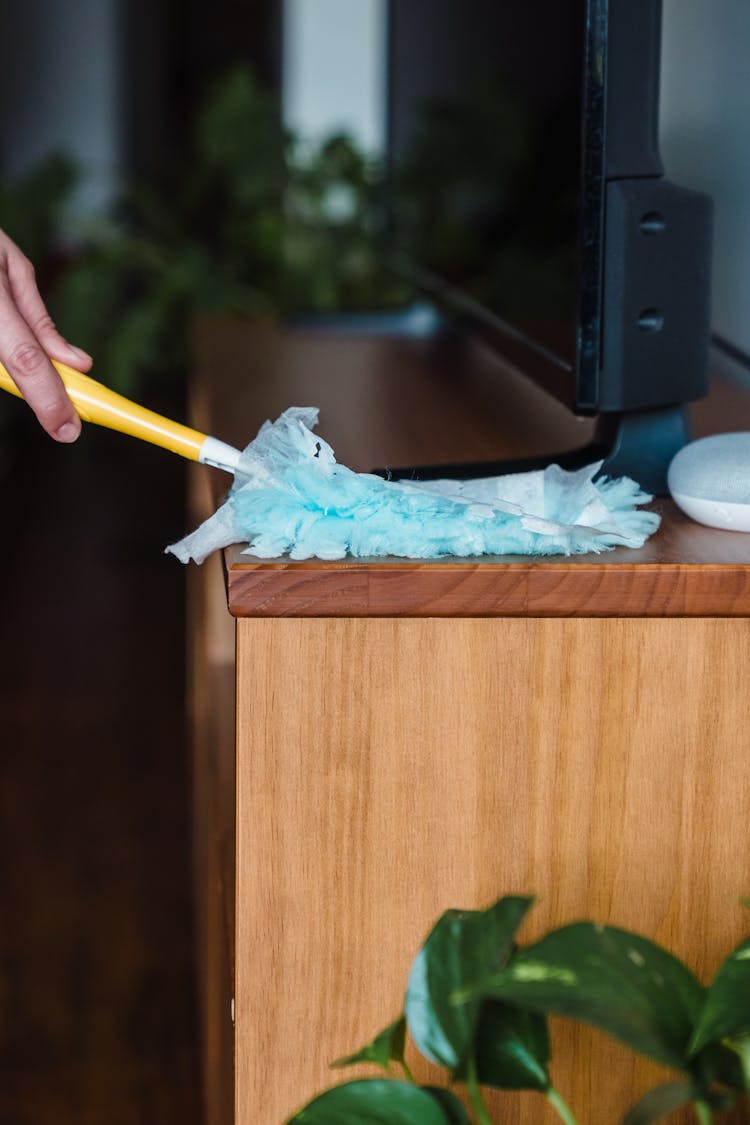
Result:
pixel 290 497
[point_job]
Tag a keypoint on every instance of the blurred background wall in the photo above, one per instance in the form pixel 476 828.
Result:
pixel 62 91
pixel 114 83
pixel 705 136
pixel 345 42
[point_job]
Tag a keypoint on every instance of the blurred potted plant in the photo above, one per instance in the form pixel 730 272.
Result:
pixel 257 223
pixel 31 206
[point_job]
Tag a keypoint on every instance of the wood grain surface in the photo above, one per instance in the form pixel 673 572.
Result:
pixel 395 402
pixel 488 589
pixel 390 769
pixel 413 736
pixel 211 725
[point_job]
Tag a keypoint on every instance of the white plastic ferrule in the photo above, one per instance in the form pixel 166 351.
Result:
pixel 219 455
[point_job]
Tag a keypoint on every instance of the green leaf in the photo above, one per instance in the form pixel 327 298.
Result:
pixel 726 1009
pixel 455 1111
pixel 511 1048
pixel 717 1062
pixel 377 1101
pixel 610 978
pixel 464 947
pixel 385 1048
pixel 741 1049
pixel 657 1103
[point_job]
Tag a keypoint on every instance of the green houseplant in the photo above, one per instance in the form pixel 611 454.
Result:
pixel 477 1003
pixel 254 220
pixel 254 223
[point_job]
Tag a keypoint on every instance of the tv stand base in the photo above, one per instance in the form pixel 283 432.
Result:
pixel 639 445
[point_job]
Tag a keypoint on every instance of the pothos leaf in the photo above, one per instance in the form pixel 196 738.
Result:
pixel 726 1008
pixel 464 947
pixel 657 1103
pixel 741 1048
pixel 379 1101
pixel 385 1048
pixel 511 1048
pixel 612 979
pixel 717 1062
pixel 455 1111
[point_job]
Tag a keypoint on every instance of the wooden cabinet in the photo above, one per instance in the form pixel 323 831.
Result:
pixel 417 736
pixel 211 720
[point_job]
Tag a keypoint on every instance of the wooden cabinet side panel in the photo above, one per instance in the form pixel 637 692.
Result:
pixel 389 769
pixel 211 695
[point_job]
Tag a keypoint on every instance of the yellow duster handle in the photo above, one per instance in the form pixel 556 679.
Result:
pixel 96 403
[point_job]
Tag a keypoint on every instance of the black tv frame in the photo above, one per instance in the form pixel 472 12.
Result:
pixel 643 319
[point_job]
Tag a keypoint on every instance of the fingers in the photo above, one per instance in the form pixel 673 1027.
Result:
pixel 27 334
pixel 32 308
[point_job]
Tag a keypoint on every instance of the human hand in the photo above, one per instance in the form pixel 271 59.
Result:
pixel 28 338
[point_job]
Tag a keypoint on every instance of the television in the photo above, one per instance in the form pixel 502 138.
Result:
pixel 527 199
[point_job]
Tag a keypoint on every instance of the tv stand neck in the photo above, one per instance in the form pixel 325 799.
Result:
pixel 642 444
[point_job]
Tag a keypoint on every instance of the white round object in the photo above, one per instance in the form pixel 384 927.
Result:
pixel 710 480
